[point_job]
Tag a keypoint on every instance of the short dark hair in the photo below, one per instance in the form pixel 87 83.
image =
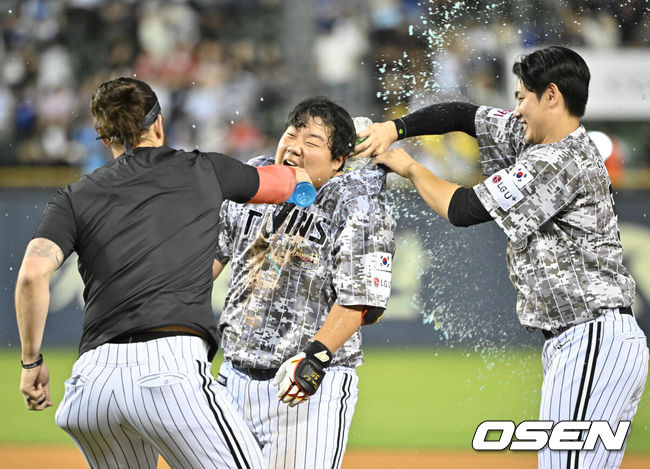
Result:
pixel 559 65
pixel 118 109
pixel 341 141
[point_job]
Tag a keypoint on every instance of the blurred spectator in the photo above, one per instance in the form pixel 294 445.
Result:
pixel 222 71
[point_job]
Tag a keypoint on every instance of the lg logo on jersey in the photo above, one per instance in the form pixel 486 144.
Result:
pixel 533 435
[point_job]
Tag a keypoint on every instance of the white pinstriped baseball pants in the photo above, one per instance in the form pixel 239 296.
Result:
pixel 593 371
pixel 127 403
pixel 311 435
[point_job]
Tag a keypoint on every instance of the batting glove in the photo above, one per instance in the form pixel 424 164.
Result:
pixel 301 375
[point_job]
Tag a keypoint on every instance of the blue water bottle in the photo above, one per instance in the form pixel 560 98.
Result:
pixel 303 195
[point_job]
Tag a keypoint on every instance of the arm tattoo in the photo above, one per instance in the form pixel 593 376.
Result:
pixel 48 250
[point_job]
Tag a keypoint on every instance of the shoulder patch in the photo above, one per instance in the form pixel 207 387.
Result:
pixel 503 188
pixel 379 261
pixel 521 174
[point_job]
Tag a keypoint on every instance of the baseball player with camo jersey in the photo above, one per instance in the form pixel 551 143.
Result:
pixel 303 280
pixel 548 189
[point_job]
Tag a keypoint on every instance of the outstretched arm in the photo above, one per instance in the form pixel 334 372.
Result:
pixel 42 258
pixel 436 192
pixel 431 120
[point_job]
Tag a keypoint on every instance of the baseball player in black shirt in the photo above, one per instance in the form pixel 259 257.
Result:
pixel 144 227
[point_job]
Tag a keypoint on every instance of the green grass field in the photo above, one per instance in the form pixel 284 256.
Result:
pixel 419 398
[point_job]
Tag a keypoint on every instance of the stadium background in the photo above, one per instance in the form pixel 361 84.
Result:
pixel 449 352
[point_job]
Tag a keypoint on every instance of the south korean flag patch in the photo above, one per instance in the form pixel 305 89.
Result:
pixel 380 261
pixel 378 266
pixel 521 174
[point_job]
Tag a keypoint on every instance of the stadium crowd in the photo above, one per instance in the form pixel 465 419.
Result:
pixel 226 70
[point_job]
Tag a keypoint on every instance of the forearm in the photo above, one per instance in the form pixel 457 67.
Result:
pixel 438 119
pixel 32 302
pixel 42 258
pixel 341 323
pixel 436 192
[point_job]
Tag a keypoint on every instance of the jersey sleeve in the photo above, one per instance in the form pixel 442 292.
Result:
pixel 224 236
pixel 364 251
pixel 500 138
pixel 239 181
pixel 58 223
pixel 524 196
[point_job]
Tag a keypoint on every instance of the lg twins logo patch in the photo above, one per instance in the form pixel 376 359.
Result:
pixel 496 179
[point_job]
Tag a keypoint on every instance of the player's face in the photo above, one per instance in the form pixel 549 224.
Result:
pixel 308 148
pixel 531 113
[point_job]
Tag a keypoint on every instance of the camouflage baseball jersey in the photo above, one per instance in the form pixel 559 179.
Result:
pixel 554 203
pixel 290 264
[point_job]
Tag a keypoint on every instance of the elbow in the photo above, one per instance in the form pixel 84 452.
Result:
pixel 458 221
pixel 31 276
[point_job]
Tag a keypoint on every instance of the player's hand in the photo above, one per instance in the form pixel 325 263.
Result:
pixel 301 375
pixel 301 175
pixel 376 139
pixel 398 161
pixel 35 386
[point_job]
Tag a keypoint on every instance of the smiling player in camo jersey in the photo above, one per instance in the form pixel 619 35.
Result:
pixel 302 282
pixel 548 189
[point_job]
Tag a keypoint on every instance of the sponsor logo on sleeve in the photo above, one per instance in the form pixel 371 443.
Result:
pixel 380 283
pixel 503 189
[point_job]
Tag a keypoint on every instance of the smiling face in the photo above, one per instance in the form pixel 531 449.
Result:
pixel 308 147
pixel 532 113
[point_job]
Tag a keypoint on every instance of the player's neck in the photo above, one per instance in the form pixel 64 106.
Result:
pixel 561 126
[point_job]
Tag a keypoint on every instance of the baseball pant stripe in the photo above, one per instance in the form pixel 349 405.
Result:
pixel 586 382
pixel 229 436
pixel 311 435
pixel 338 453
pixel 127 403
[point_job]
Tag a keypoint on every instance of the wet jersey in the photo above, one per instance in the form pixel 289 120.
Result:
pixel 290 264
pixel 554 203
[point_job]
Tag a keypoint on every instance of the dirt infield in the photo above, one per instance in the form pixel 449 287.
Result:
pixel 29 457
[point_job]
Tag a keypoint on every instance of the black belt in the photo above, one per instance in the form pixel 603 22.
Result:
pixel 146 336
pixel 257 374
pixel 556 332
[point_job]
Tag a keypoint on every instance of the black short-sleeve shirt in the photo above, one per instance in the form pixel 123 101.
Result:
pixel 145 230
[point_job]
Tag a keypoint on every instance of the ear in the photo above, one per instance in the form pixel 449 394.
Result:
pixel 337 162
pixel 158 126
pixel 106 142
pixel 552 94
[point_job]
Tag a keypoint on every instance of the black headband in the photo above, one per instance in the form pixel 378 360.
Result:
pixel 149 119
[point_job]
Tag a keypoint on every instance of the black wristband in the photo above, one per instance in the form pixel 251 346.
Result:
pixel 29 366
pixel 319 351
pixel 401 128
